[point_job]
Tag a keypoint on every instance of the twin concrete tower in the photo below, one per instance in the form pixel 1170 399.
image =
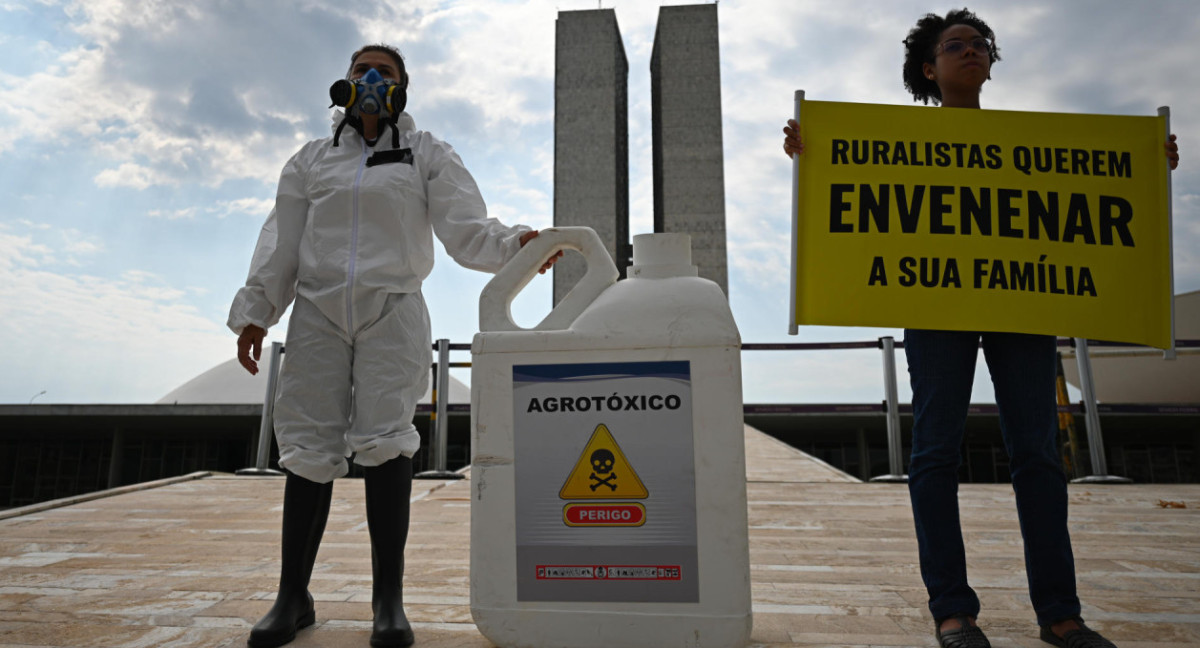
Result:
pixel 591 135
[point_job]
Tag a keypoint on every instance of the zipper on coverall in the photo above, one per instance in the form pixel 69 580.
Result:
pixel 354 244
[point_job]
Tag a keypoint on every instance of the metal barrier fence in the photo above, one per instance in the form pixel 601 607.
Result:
pixel 887 345
pixel 266 427
pixel 440 423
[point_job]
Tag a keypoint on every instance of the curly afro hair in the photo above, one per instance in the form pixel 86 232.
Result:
pixel 921 41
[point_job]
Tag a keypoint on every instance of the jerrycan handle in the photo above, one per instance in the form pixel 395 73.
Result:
pixel 495 302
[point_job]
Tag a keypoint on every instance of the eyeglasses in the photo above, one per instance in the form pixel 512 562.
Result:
pixel 957 46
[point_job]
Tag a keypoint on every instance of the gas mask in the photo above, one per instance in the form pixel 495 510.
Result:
pixel 370 94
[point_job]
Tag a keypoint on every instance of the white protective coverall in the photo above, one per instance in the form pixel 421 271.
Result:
pixel 351 244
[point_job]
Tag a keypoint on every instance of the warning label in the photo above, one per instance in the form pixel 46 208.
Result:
pixel 606 514
pixel 602 472
pixel 608 572
pixel 605 495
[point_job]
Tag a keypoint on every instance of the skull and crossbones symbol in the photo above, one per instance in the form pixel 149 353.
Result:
pixel 602 464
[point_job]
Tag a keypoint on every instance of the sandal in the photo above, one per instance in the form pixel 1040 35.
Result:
pixel 1084 637
pixel 966 636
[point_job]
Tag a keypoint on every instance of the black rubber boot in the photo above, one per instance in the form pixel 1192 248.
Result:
pixel 305 510
pixel 388 488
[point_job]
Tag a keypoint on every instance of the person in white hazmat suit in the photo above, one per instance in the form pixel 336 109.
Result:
pixel 349 242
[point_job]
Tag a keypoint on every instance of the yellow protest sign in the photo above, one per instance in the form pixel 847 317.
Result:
pixel 602 472
pixel 983 220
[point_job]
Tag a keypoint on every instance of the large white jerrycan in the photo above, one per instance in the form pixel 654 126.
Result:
pixel 608 494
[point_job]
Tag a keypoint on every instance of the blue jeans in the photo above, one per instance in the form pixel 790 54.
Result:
pixel 941 365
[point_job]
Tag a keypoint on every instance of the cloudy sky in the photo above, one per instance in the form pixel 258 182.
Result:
pixel 140 142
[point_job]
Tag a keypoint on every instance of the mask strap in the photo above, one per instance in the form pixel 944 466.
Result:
pixel 338 132
pixel 357 124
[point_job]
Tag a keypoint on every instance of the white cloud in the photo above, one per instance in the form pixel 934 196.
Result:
pixel 72 75
pixel 82 247
pixel 173 214
pixel 131 175
pixel 256 208
pixel 155 106
pixel 78 246
pixel 89 339
pixel 493 31
pixel 760 263
pixel 21 252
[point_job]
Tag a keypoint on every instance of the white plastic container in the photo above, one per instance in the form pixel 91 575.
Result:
pixel 608 470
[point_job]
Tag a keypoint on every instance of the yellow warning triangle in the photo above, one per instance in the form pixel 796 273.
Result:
pixel 603 472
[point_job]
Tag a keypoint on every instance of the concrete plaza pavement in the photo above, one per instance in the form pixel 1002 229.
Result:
pixel 193 562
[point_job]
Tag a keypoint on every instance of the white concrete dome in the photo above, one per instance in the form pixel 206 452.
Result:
pixel 1123 377
pixel 228 383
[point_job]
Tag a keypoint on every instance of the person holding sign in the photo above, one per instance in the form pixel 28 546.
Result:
pixel 947 61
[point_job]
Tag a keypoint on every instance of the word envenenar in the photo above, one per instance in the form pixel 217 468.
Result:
pixel 1012 213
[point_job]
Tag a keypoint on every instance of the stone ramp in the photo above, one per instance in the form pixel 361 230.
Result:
pixel 833 563
pixel 770 460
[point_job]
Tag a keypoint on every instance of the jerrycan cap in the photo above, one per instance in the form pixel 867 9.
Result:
pixel 660 256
